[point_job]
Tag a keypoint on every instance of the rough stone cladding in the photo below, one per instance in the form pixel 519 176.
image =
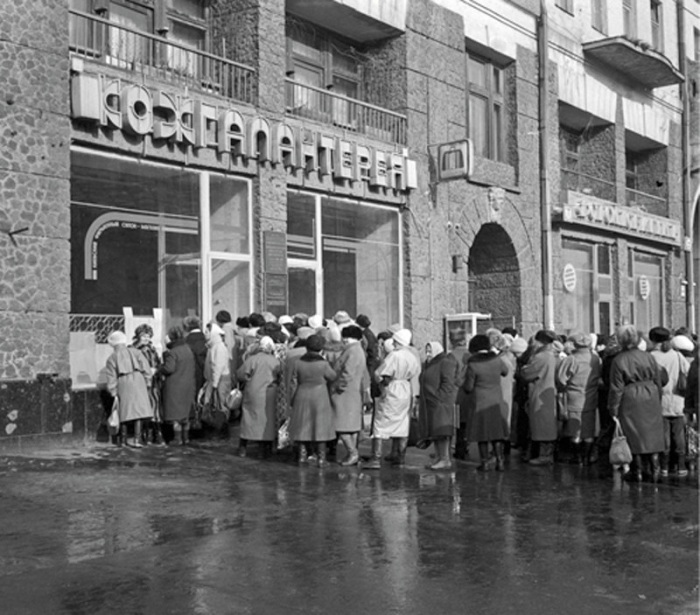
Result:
pixel 444 220
pixel 34 189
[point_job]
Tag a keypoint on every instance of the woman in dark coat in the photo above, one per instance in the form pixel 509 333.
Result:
pixel 311 417
pixel 436 411
pixel 636 385
pixel 483 384
pixel 143 341
pixel 180 383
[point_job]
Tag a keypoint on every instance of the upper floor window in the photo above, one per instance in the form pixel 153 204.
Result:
pixel 487 120
pixel 566 5
pixel 629 18
pixel 657 39
pixel 632 164
pixel 599 15
pixel 696 43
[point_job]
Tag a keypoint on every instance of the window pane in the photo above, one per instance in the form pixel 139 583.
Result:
pixel 124 45
pixel 186 34
pixel 649 310
pixel 578 303
pixel 497 134
pixel 302 290
pixel 604 260
pixel 477 72
pixel 230 286
pixel 228 215
pixel 478 125
pixel 193 8
pixel 301 227
pixel 182 274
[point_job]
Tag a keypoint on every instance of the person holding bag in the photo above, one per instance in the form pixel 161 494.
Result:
pixel 179 383
pixel 217 378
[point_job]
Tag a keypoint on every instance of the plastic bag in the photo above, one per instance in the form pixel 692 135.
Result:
pixel 234 403
pixel 283 439
pixel 113 420
pixel 620 453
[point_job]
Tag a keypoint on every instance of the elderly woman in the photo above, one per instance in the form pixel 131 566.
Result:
pixel 578 378
pixel 635 389
pixel 436 411
pixel 260 374
pixel 128 374
pixel 672 400
pixel 217 373
pixel 483 384
pixel 143 341
pixel 349 392
pixel 311 418
pixel 500 345
pixel 180 383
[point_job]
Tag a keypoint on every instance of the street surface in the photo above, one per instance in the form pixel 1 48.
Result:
pixel 198 530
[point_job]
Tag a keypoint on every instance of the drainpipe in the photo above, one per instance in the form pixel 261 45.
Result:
pixel 545 204
pixel 685 148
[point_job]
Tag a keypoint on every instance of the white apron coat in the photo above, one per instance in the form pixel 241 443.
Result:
pixel 392 413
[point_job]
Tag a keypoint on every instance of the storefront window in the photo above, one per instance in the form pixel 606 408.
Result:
pixel 646 290
pixel 578 287
pixel 359 266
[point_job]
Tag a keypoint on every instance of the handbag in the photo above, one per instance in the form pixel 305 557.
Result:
pixel 283 438
pixel 234 404
pixel 620 453
pixel 213 413
pixel 113 420
pixel 682 382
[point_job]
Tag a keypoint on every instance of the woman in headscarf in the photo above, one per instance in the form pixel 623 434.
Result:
pixel 217 374
pixel 500 345
pixel 180 383
pixel 311 419
pixel 636 386
pixel 578 378
pixel 483 383
pixel 143 341
pixel 349 392
pixel 436 411
pixel 260 374
pixel 128 374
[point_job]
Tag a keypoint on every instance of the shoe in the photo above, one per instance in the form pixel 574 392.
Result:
pixel 391 457
pixel 242 451
pixel 441 464
pixel 664 473
pixel 303 455
pixel 682 473
pixel 374 463
pixel 351 460
pixel 134 444
pixel 484 466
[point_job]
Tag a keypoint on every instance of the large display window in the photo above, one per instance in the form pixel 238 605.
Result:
pixel 151 237
pixel 343 255
pixel 646 290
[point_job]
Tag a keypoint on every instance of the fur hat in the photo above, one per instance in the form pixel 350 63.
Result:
pixel 304 333
pixel 659 335
pixel 543 336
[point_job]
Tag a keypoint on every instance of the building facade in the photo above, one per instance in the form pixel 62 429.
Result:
pixel 409 159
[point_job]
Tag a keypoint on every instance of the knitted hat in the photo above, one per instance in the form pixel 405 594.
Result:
pixel 402 337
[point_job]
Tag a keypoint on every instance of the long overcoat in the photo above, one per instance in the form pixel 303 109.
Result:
pixel 482 383
pixel 578 377
pixel 636 384
pixel 348 390
pixel 438 385
pixel 311 417
pixel 539 373
pixel 127 373
pixel 261 373
pixel 180 384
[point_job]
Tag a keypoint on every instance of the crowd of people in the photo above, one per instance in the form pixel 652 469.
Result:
pixel 320 384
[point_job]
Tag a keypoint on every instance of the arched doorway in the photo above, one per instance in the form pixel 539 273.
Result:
pixel 494 277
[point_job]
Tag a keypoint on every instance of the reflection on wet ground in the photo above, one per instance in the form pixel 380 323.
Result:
pixel 199 530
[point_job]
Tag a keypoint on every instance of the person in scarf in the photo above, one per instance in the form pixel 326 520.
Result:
pixel 128 374
pixel 143 341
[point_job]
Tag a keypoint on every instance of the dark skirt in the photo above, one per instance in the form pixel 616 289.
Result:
pixel 487 424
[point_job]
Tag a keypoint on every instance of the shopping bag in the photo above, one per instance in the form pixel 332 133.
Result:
pixel 620 453
pixel 113 420
pixel 234 403
pixel 213 413
pixel 283 439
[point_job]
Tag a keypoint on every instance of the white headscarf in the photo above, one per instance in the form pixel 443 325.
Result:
pixel 436 348
pixel 403 337
pixel 117 338
pixel 266 344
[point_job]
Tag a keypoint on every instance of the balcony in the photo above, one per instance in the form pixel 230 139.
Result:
pixel 587 184
pixel 308 102
pixel 151 56
pixel 646 202
pixel 635 59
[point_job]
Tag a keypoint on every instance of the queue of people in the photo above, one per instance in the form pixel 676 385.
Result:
pixel 324 381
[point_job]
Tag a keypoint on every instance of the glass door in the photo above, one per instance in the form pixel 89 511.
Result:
pixel 179 276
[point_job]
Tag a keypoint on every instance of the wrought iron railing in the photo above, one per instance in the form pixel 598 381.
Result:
pixel 648 202
pixel 308 102
pixel 588 184
pixel 115 45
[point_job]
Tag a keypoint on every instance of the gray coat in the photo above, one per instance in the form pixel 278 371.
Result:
pixel 348 389
pixel 180 385
pixel 539 373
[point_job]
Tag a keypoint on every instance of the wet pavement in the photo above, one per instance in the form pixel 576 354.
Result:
pixel 200 531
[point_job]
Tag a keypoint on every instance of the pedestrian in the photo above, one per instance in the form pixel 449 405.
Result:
pixel 350 392
pixel 483 385
pixel 179 384
pixel 672 399
pixel 436 410
pixel 143 341
pixel 128 374
pixel 542 403
pixel 461 354
pixel 396 376
pixel 369 342
pixel 500 345
pixel 259 375
pixel 217 378
pixel 578 378
pixel 311 417
pixel 197 341
pixel 636 386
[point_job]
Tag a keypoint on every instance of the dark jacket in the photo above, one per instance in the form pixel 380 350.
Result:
pixel 198 343
pixel 438 386
pixel 179 387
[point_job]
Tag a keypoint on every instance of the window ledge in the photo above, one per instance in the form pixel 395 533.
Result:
pixel 492 173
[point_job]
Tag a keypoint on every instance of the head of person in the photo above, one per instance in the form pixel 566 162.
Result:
pixel 256 320
pixel 175 334
pixel 222 317
pixel 274 331
pixel 579 341
pixel 267 345
pixel 117 338
pixel 388 345
pixel 479 343
pixel 214 333
pixel 342 318
pixel 269 317
pixel 661 338
pixel 544 337
pixel 683 344
pixel 628 337
pixel 351 333
pixel 509 331
pixel 191 323
pixel 315 343
pixel 316 321
pixel 402 338
pixel 496 339
pixel 242 322
pixel 304 333
pixel 143 334
pixel 301 319
pixel 518 347
pixel 286 321
pixel 433 350
pixel 363 321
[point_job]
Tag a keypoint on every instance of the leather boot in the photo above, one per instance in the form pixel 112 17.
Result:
pixel 185 434
pixel 485 465
pixel 592 453
pixel 136 442
pixel 349 440
pixel 401 445
pixel 682 470
pixel 461 443
pixel 322 463
pixel 576 453
pixel 500 463
pixel 121 438
pixel 546 455
pixel 375 460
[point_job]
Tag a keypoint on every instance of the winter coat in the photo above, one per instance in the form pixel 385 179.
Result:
pixel 311 417
pixel 675 364
pixel 508 384
pixel 198 343
pixel 578 377
pixel 539 373
pixel 260 373
pixel 180 384
pixel 636 383
pixel 348 390
pixel 127 374
pixel 438 385
pixel 482 383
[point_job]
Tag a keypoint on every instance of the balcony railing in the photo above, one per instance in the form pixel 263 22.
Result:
pixel 648 202
pixel 306 101
pixel 587 184
pixel 98 39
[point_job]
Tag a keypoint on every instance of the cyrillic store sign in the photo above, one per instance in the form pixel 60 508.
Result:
pixel 190 121
pixel 591 211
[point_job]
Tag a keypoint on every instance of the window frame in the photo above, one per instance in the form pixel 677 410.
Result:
pixel 599 16
pixel 629 18
pixel 565 5
pixel 656 8
pixel 493 92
